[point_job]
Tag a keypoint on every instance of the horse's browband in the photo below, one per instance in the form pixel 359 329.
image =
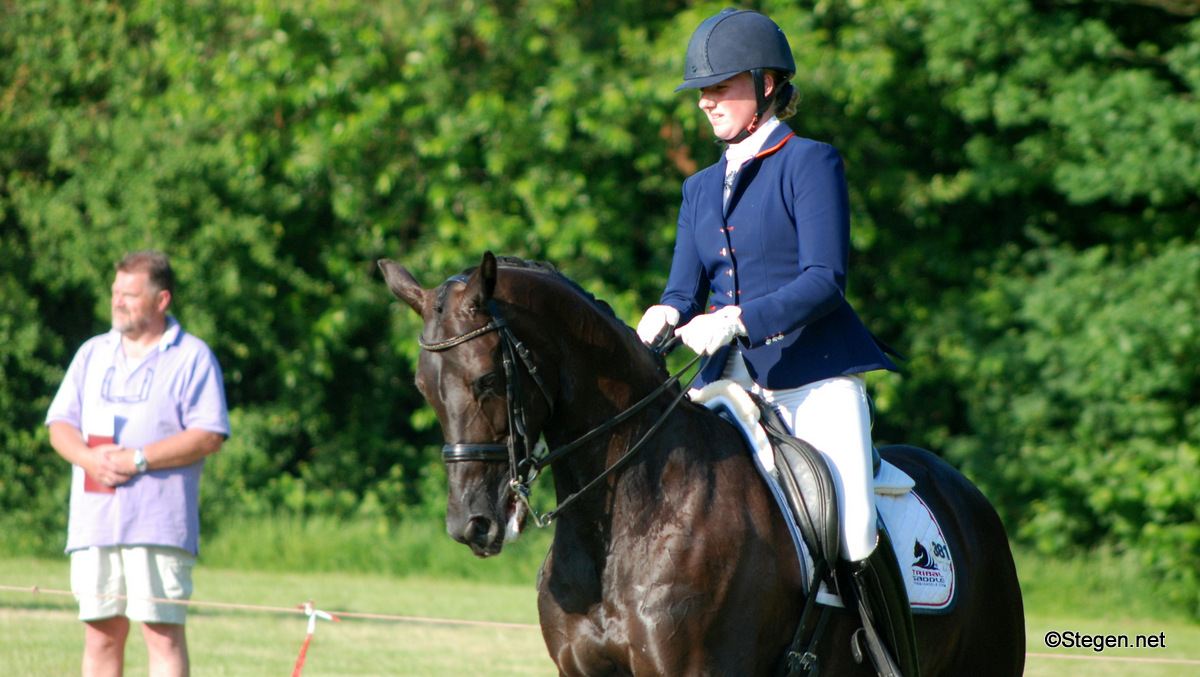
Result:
pixel 439 346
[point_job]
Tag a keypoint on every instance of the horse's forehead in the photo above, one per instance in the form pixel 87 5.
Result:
pixel 463 362
pixel 446 289
pixel 445 323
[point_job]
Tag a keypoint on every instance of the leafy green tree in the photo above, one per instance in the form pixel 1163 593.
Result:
pixel 1053 345
pixel 1085 406
pixel 1022 174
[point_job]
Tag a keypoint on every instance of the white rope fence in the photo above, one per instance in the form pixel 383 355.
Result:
pixel 313 614
pixel 308 609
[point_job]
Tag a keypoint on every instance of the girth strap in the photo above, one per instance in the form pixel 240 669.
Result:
pixel 801 657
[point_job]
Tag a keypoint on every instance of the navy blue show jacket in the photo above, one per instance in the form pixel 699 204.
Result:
pixel 779 250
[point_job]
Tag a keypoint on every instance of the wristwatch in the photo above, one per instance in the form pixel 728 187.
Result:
pixel 139 459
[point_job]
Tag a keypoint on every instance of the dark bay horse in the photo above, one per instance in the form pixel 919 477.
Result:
pixel 674 560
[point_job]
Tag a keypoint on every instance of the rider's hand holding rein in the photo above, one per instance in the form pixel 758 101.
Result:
pixel 655 322
pixel 705 334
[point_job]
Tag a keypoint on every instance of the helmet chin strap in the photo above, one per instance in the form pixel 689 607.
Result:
pixel 762 101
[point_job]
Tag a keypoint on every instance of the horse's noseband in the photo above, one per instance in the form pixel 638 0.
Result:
pixel 456 453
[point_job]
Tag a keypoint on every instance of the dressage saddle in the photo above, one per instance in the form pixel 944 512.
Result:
pixel 875 585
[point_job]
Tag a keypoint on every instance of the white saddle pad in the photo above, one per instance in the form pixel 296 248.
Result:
pixel 921 550
pixel 917 538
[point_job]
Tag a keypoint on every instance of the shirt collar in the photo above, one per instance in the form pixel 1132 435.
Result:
pixel 738 153
pixel 169 338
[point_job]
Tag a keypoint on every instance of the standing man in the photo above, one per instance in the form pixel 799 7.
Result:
pixel 139 410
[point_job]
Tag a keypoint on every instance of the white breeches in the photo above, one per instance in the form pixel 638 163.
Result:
pixel 835 418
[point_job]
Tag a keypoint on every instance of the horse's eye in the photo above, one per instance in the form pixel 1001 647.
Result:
pixel 486 384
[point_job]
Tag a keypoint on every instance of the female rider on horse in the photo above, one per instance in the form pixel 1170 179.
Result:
pixel 759 279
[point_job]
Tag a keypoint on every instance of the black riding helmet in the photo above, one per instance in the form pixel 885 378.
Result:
pixel 736 41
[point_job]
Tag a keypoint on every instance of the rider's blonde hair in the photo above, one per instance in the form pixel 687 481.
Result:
pixel 787 100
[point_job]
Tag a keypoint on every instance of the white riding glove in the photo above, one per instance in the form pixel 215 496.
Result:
pixel 705 334
pixel 654 320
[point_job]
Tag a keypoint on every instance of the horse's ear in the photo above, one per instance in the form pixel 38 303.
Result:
pixel 482 283
pixel 403 285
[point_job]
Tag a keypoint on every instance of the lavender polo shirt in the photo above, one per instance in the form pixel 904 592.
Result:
pixel 174 388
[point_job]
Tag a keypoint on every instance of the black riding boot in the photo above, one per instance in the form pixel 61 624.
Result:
pixel 883 605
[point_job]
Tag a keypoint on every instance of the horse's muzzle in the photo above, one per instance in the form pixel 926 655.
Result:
pixel 484 535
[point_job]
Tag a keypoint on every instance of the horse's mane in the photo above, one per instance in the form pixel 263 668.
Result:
pixel 546 268
pixel 603 309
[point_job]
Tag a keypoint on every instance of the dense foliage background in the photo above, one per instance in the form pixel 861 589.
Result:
pixel 1024 178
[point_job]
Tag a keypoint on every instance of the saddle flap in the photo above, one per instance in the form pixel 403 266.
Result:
pixel 808 484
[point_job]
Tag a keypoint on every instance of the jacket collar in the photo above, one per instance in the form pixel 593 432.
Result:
pixel 776 140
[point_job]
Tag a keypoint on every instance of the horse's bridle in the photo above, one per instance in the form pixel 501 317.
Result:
pixel 525 470
pixel 510 347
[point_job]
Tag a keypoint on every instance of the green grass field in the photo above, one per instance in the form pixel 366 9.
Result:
pixel 42 638
pixel 418 634
pixel 1098 597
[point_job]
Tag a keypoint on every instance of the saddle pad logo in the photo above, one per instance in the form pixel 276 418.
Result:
pixel 921 550
pixel 925 570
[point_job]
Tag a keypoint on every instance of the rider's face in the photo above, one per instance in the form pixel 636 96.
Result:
pixel 730 104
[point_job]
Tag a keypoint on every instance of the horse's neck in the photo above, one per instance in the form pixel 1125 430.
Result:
pixel 593 397
pixel 597 404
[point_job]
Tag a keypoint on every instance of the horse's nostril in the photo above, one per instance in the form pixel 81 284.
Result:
pixel 478 529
